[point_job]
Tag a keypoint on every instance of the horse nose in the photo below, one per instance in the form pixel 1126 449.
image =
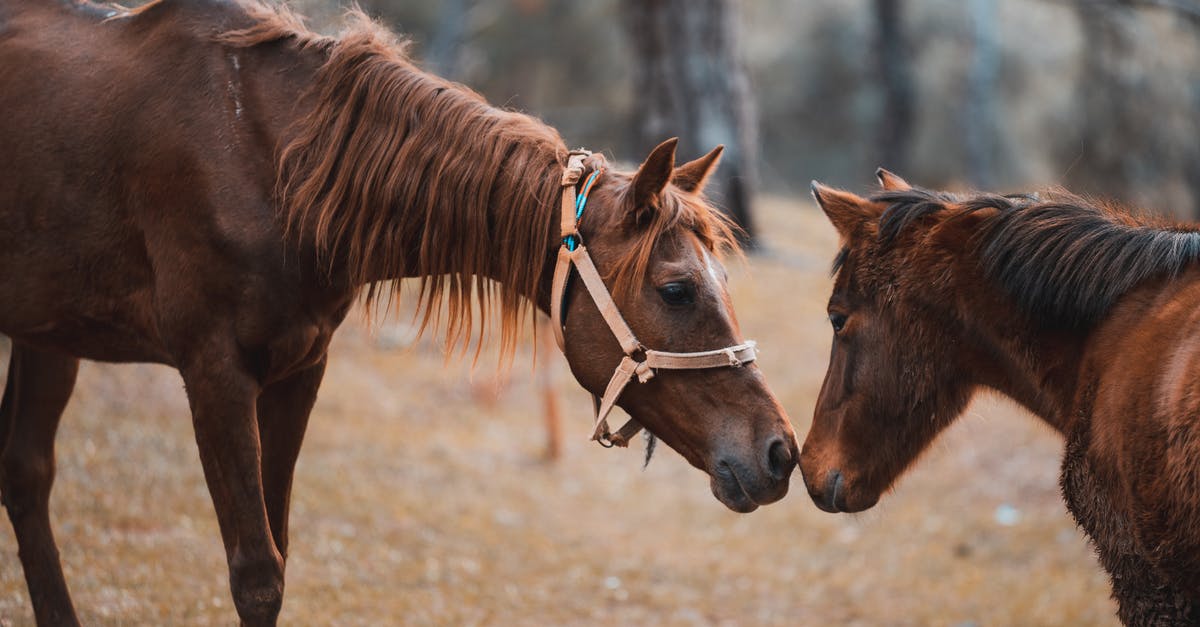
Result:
pixel 781 460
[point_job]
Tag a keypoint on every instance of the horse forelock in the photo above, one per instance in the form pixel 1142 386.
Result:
pixel 675 212
pixel 906 207
pixel 1064 259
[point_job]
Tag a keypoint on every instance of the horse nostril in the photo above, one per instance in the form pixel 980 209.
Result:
pixel 833 486
pixel 780 460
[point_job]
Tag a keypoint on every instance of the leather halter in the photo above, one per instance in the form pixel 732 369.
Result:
pixel 639 361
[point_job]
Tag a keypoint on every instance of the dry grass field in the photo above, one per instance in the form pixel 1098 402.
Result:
pixel 421 499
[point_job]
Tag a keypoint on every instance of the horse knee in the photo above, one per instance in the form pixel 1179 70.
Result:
pixel 25 481
pixel 257 590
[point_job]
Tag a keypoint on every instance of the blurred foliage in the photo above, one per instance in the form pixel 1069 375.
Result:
pixel 1110 116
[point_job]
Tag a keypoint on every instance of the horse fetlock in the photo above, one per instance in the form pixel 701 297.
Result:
pixel 257 590
pixel 259 605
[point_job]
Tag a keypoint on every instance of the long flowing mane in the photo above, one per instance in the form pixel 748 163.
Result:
pixel 1065 259
pixel 390 155
pixel 396 172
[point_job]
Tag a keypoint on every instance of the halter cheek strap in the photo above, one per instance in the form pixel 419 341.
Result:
pixel 639 362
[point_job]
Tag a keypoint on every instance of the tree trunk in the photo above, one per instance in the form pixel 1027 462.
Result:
pixel 894 68
pixel 980 115
pixel 1112 134
pixel 689 82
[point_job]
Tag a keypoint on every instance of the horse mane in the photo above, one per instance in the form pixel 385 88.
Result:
pixel 479 187
pixel 1064 258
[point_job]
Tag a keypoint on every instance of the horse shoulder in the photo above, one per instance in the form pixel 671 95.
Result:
pixel 1141 362
pixel 1142 426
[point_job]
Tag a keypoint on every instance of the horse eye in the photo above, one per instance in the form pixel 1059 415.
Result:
pixel 838 320
pixel 678 293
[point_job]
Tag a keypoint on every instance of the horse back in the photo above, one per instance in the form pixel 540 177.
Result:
pixel 136 168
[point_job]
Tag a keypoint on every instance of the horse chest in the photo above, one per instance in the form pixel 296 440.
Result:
pixel 1089 498
pixel 280 340
pixel 293 349
pixel 1091 490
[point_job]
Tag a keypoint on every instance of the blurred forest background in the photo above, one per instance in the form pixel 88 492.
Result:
pixel 1097 95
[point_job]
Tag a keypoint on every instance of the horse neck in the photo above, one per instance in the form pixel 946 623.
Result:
pixel 1036 367
pixel 427 228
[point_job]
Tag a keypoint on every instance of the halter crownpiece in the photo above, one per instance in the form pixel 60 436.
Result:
pixel 639 362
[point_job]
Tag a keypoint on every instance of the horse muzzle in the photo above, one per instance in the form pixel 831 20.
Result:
pixel 743 489
pixel 836 494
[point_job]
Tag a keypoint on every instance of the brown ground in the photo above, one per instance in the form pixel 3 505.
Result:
pixel 420 501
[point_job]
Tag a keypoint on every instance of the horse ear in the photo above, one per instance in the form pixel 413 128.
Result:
pixel 654 174
pixel 891 182
pixel 845 210
pixel 691 176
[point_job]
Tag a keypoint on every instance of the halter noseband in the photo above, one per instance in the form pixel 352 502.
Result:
pixel 638 361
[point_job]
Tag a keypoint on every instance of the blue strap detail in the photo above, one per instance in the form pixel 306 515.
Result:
pixel 580 202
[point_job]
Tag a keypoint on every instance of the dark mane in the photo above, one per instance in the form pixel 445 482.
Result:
pixel 1066 260
pixel 459 160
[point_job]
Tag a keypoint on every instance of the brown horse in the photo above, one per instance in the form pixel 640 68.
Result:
pixel 208 185
pixel 1086 315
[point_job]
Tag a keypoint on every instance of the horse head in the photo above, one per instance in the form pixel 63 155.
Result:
pixel 657 242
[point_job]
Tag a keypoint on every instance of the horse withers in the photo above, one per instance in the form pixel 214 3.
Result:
pixel 209 185
pixel 1086 315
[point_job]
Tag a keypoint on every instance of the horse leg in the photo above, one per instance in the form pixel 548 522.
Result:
pixel 283 410
pixel 39 384
pixel 223 416
pixel 1165 520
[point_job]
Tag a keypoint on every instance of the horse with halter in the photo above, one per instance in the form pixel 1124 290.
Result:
pixel 209 185
pixel 1084 314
